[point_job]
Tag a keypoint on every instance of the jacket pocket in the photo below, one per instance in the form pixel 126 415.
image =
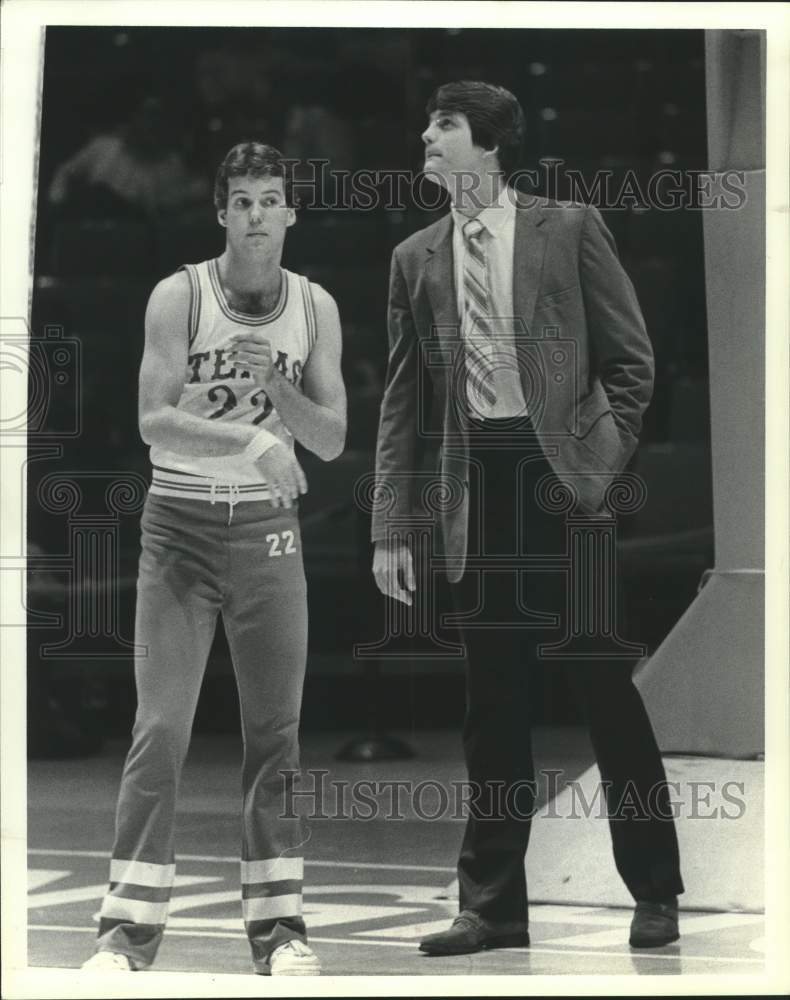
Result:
pixel 593 429
pixel 588 411
pixel 553 298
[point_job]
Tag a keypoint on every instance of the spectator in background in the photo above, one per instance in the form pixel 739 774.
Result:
pixel 134 168
pixel 234 101
pixel 315 130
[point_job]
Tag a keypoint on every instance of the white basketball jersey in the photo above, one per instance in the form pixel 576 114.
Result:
pixel 218 390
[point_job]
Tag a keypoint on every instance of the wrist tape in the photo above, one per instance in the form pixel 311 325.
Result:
pixel 261 443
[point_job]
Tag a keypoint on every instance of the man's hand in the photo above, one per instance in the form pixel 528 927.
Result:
pixel 252 352
pixel 393 569
pixel 283 474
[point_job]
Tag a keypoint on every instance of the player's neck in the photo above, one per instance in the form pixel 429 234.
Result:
pixel 247 274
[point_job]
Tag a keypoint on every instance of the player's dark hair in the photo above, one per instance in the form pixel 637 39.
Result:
pixel 495 116
pixel 257 160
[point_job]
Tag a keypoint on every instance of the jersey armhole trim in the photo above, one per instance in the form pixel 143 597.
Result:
pixel 194 301
pixel 309 313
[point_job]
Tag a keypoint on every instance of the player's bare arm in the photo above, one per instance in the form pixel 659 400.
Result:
pixel 162 380
pixel 317 416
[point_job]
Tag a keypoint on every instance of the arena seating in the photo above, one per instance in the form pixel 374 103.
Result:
pixel 103 248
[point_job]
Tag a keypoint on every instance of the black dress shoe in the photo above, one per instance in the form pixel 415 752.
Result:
pixel 654 924
pixel 468 933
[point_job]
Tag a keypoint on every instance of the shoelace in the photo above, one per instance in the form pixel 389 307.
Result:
pixel 295 946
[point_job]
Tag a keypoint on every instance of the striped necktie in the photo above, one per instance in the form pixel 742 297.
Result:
pixel 477 319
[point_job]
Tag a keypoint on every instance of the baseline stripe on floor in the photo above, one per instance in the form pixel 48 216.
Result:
pixel 513 952
pixel 688 925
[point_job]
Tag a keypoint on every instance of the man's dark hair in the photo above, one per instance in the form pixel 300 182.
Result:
pixel 495 116
pixel 257 160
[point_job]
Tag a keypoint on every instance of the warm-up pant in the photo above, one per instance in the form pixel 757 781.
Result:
pixel 501 662
pixel 199 559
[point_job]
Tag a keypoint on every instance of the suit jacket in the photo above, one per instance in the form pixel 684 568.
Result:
pixel 584 357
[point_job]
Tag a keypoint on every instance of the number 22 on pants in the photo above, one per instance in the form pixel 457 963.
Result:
pixel 274 541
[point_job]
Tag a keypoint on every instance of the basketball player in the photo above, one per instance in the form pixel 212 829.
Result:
pixel 242 358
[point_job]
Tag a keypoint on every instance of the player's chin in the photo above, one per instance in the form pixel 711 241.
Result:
pixel 430 173
pixel 259 245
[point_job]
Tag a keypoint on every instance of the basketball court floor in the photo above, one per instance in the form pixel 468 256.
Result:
pixel 373 886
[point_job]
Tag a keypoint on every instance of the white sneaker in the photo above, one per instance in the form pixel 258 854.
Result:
pixel 108 961
pixel 294 958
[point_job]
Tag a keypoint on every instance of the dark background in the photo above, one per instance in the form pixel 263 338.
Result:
pixel 599 100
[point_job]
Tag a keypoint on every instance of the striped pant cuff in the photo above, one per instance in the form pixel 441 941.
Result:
pixel 271 888
pixel 139 892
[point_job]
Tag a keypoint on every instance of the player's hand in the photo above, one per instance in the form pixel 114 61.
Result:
pixel 283 474
pixel 252 352
pixel 393 569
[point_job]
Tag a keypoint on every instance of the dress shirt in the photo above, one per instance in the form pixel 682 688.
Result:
pixel 500 222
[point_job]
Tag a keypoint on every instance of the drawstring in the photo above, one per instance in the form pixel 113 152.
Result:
pixel 234 494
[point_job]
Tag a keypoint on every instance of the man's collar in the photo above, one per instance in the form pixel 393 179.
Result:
pixel 494 217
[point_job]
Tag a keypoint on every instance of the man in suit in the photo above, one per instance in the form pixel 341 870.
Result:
pixel 515 318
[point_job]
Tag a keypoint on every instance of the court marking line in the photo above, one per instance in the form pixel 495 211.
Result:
pixel 209 858
pixel 540 913
pixel 40 878
pixel 85 893
pixel 362 865
pixel 516 952
pixel 537 949
pixel 689 924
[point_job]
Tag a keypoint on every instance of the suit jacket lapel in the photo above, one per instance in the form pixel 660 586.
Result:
pixel 440 282
pixel 443 297
pixel 528 251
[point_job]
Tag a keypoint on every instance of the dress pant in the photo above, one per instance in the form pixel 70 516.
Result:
pixel 507 520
